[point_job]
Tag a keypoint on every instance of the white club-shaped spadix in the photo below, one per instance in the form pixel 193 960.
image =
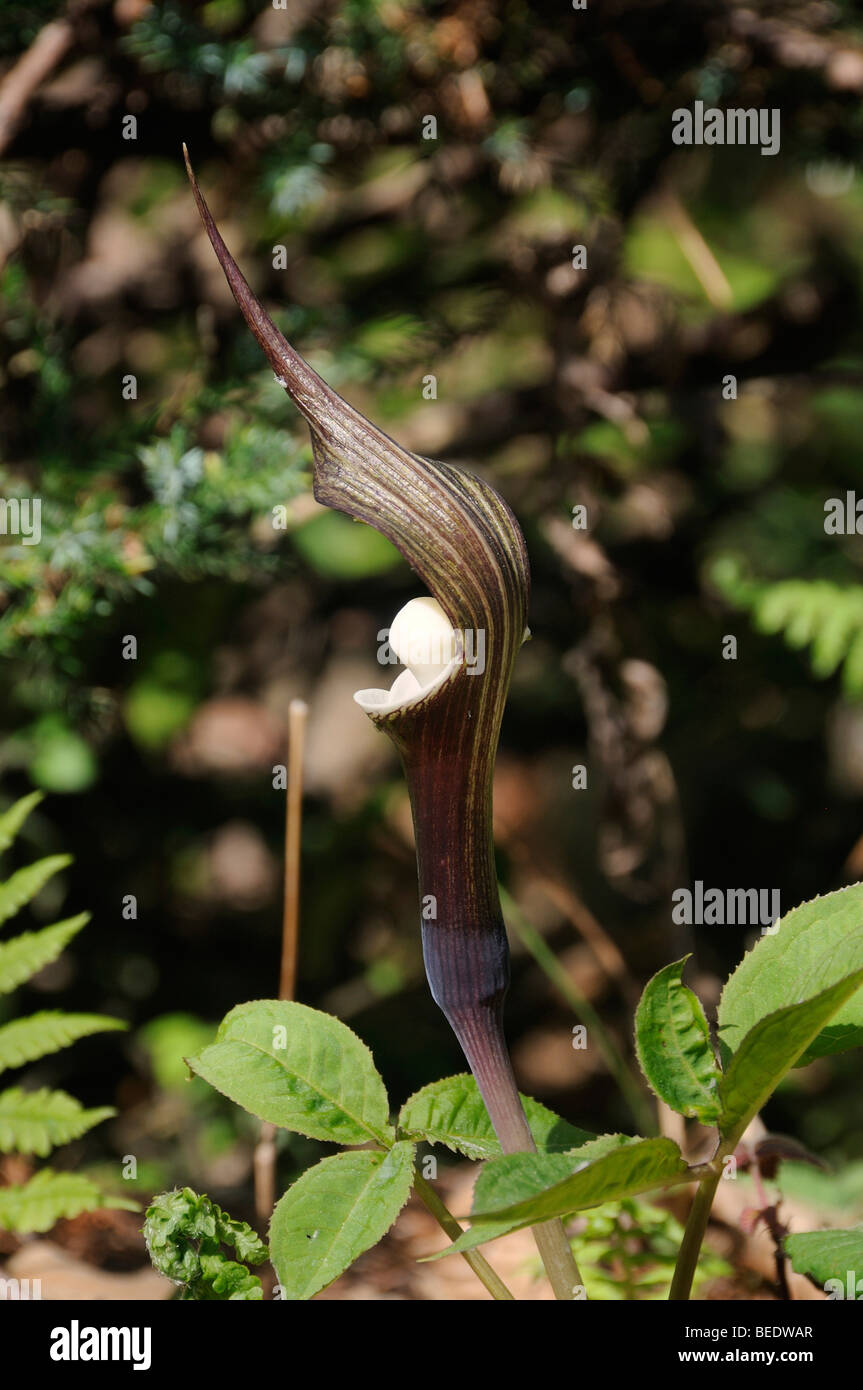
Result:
pixel 424 641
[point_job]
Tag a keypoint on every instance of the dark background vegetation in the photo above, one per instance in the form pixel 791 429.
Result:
pixel 408 257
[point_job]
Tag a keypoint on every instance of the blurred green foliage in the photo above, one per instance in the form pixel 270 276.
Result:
pixel 628 1251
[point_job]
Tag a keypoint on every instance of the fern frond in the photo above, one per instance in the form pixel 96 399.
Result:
pixel 39 1204
pixel 35 1122
pixel 23 886
pixel 29 952
pixel 14 817
pixel 825 617
pixel 26 1039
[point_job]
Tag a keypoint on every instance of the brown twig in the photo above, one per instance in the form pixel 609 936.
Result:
pixel 264 1160
pixel 606 952
pixel 21 82
pixel 297 715
pixel 702 261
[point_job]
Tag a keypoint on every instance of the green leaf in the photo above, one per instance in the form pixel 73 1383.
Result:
pixel 827 1254
pixel 39 1204
pixel 335 1212
pixel 31 951
pixel 35 1122
pixel 770 1049
pixel 298 1068
pixel 26 1039
pixel 62 760
pixel 338 548
pixel 812 948
pixel 672 1041
pixel 185 1231
pixel 585 1176
pixel 23 886
pixel 14 817
pixel 522 1189
pixel 452 1112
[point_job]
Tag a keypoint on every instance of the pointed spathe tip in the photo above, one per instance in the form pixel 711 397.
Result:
pixel 309 393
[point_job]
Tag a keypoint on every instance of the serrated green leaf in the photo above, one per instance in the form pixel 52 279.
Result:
pixel 812 948
pixel 23 886
pixel 300 1069
pixel 25 1039
pixel 28 953
pixel 39 1204
pixel 827 1254
pixel 672 1041
pixel 452 1112
pixel 14 817
pixel 35 1122
pixel 770 1049
pixel 333 1213
pixel 617 1159
pixel 520 1190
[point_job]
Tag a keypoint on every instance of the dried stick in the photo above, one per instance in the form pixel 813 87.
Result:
pixel 297 715
pixel 19 84
pixel 701 259
pixel 264 1161
pixel 605 951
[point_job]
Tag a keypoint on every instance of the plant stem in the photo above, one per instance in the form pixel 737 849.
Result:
pixel 264 1173
pixel 447 1222
pixel 542 953
pixel 481 1036
pixel 556 1254
pixel 690 1246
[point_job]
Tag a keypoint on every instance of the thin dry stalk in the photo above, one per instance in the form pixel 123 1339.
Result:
pixel 297 715
pixel 264 1161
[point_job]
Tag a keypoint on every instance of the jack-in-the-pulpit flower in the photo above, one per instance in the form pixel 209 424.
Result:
pixel 444 711
pixel 422 639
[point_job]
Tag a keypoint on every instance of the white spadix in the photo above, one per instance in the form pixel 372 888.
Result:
pixel 423 639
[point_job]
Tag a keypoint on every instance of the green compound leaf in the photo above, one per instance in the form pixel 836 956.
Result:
pixel 826 617
pixel 298 1068
pixel 522 1189
pixel 25 1039
pixel 35 1122
pixel 672 1041
pixel 452 1112
pixel 770 1049
pixel 333 1213
pixel 185 1233
pixel 23 886
pixel 28 953
pixel 825 1255
pixel 39 1204
pixel 14 817
pixel 811 949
